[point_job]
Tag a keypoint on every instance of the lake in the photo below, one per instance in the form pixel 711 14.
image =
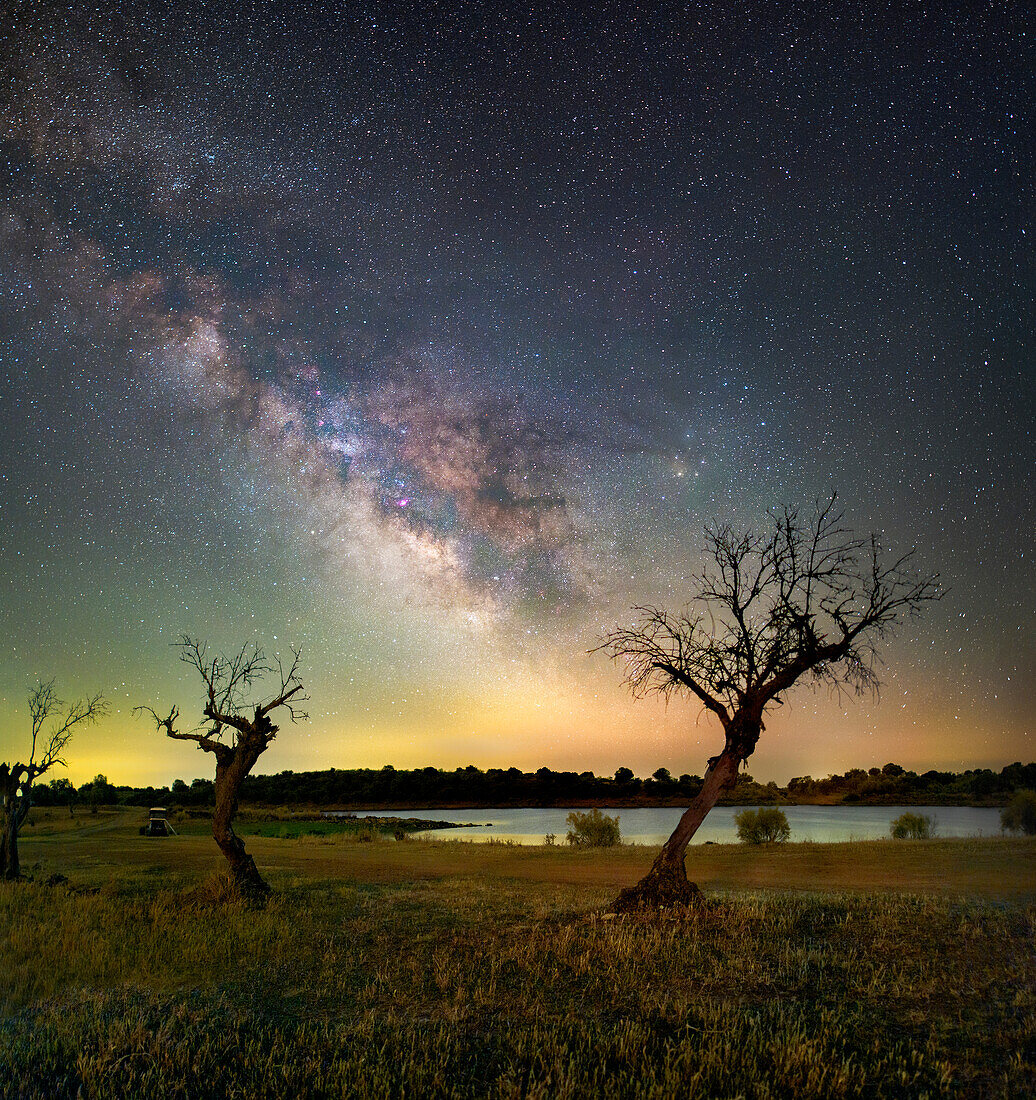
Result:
pixel 652 825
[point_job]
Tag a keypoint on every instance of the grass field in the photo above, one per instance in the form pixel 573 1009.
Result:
pixel 450 969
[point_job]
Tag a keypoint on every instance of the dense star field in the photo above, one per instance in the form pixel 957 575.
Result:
pixel 429 337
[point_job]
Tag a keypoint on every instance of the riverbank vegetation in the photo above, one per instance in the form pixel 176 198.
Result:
pixel 448 969
pixel 910 826
pixel 397 788
pixel 593 829
pixel 1019 815
pixel 91 845
pixel 767 825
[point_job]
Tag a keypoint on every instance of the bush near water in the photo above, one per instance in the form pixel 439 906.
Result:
pixel 592 829
pixel 1019 815
pixel 764 826
pixel 910 826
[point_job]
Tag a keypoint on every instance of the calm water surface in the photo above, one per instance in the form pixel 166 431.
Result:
pixel 652 825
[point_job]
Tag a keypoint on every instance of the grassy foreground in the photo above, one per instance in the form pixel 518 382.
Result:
pixel 446 969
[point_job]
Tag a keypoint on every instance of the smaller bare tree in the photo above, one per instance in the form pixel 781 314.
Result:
pixel 53 723
pixel 804 599
pixel 248 730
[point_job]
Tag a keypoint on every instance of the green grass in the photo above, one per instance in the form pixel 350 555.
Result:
pixel 431 969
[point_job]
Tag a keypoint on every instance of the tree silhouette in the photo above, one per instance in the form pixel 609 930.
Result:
pixel 53 723
pixel 248 730
pixel 804 598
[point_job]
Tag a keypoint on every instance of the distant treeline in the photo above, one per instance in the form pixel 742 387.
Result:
pixel 471 786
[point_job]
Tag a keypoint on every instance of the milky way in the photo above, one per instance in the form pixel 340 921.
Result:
pixel 431 336
pixel 444 490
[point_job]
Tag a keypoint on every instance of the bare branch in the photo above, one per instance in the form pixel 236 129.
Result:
pixel 206 741
pixel 806 597
pixel 228 680
pixel 291 684
pixel 52 724
pixel 44 705
pixel 661 655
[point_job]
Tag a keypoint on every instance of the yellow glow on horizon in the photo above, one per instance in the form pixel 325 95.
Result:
pixel 531 723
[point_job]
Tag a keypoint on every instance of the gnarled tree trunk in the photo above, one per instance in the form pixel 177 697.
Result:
pixel 226 679
pixel 667 883
pixel 10 781
pixel 9 866
pixel 231 768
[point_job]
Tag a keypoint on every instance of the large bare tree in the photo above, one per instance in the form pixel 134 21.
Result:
pixel 237 734
pixel 802 599
pixel 53 723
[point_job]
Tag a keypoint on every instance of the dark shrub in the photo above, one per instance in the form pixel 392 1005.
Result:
pixel 910 826
pixel 1019 815
pixel 766 826
pixel 592 829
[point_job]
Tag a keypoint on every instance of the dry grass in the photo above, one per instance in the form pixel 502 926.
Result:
pixel 459 970
pixel 993 867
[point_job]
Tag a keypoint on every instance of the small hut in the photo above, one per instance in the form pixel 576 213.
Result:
pixel 158 823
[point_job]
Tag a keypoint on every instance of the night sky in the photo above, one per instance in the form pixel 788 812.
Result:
pixel 430 337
